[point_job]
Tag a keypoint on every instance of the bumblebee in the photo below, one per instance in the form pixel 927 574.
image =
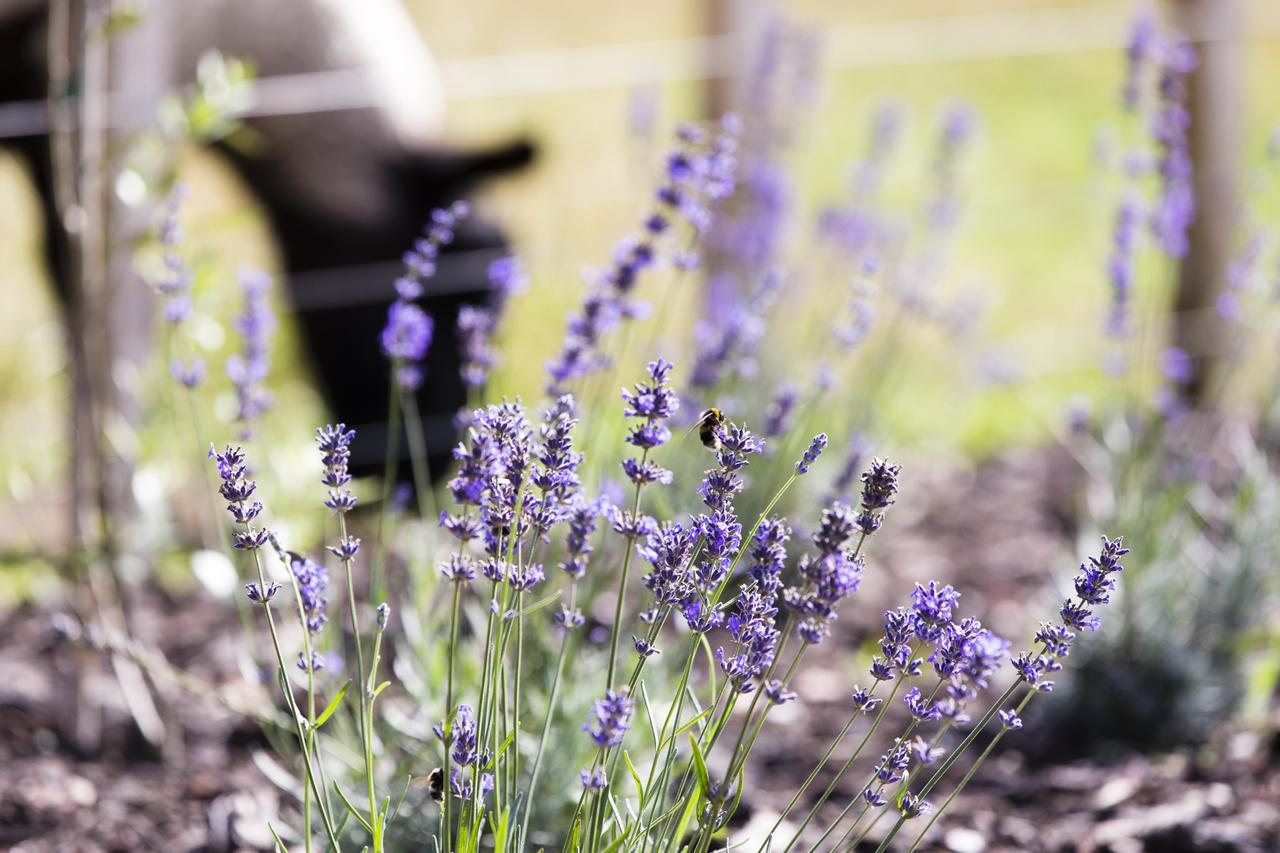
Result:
pixel 435 784
pixel 708 422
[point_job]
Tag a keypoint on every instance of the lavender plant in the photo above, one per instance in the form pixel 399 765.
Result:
pixel 514 697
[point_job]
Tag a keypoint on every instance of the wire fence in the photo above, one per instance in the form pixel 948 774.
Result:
pixel 885 44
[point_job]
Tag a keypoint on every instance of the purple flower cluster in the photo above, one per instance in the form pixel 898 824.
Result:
pixel 652 403
pixel 555 468
pixel 699 175
pixel 879 485
pixel 248 368
pixel 582 517
pixel 313 581
pixel 1094 585
pixel 477 324
pixel 1120 266
pixel 720 531
pixel 727 341
pixel 959 122
pixel 609 719
pixel 831 575
pixel 752 627
pixel 777 416
pixel 237 490
pixel 1144 43
pixel 1176 207
pixel 816 446
pixel 175 284
pixel 407 334
pixel 335 453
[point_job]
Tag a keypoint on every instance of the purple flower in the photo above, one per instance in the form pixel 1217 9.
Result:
pixel 525 578
pixel 174 283
pixel 910 805
pixel 475 328
pixel 752 627
pixel 259 594
pixel 346 549
pixel 669 549
pixel 879 485
pixel 863 700
pixel 1144 41
pixel 609 719
pixel 458 568
pixel 407 334
pixel 248 368
pixel 583 518
pixel 921 708
pixel 463 737
pixel 1010 719
pixel 811 455
pixel 1120 267
pixel 777 417
pixel 769 554
pixel 313 581
pixel 237 489
pixel 777 694
pixel 593 780
pixel 1176 205
pixel 190 374
pixel 507 278
pixel 335 454
pixel 651 402
pixel 1176 365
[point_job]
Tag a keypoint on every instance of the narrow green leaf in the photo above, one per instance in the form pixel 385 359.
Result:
pixel 502 749
pixel 711 662
pixel 333 704
pixel 279 844
pixel 381 687
pixel 700 768
pixel 691 723
pixel 355 812
pixel 500 832
pixel 539 605
pixel 648 713
pixel 626 756
pixel 690 809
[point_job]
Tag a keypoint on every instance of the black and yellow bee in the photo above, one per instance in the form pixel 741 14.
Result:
pixel 708 422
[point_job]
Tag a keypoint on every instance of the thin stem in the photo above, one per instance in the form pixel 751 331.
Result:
pixel 293 707
pixel 447 725
pixel 389 465
pixel 622 585
pixel 967 776
pixel 365 723
pixel 954 756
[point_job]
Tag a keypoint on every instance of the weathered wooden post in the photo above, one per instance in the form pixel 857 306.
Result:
pixel 1213 26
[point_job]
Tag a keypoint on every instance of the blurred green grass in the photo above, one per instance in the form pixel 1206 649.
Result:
pixel 1033 235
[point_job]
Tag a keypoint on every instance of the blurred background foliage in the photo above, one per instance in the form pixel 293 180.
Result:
pixel 1037 207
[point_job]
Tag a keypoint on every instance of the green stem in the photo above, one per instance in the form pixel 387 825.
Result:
pixel 293 708
pixel 389 465
pixel 622 587
pixel 447 725
pixel 365 723
pixel 967 776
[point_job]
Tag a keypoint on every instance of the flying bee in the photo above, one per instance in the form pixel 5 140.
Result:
pixel 435 784
pixel 708 422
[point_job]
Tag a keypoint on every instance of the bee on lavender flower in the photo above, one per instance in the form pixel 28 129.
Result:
pixel 708 422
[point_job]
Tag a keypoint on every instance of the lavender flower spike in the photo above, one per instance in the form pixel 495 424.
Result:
pixel 248 368
pixel 811 455
pixel 610 718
